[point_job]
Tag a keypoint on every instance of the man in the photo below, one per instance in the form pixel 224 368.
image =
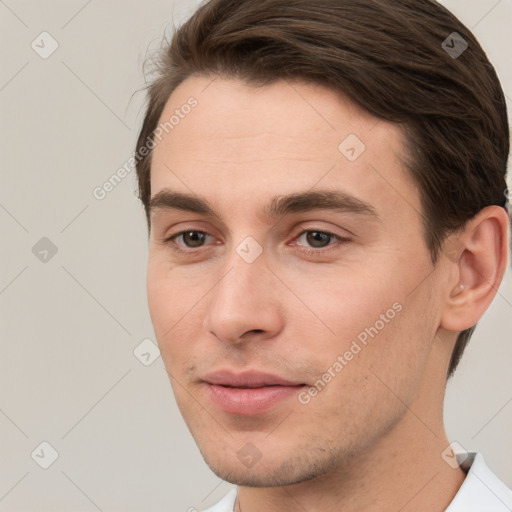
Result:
pixel 324 183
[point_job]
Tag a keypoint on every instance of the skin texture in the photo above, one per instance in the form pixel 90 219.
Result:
pixel 372 438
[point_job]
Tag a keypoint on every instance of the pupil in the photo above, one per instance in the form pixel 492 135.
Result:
pixel 193 238
pixel 316 239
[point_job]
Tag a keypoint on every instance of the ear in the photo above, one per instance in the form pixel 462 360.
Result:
pixel 478 258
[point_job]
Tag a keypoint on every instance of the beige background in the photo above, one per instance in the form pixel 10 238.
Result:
pixel 68 375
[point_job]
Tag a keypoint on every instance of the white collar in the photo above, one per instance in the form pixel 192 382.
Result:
pixel 481 491
pixel 226 504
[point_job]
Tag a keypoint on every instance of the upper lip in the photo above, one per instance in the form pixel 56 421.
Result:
pixel 247 379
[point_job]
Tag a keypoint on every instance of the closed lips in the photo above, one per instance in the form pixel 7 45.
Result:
pixel 248 379
pixel 248 393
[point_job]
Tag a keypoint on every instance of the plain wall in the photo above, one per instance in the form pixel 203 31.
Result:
pixel 68 375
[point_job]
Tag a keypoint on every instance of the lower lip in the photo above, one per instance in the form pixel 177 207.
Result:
pixel 249 401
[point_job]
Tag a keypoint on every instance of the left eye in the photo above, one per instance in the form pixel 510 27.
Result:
pixel 318 239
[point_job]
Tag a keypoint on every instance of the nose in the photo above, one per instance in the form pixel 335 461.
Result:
pixel 244 304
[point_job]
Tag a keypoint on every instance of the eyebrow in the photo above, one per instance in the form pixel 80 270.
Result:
pixel 279 206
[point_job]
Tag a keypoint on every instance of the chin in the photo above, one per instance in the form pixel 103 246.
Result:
pixel 275 472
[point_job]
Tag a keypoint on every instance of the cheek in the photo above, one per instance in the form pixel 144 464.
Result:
pixel 366 386
pixel 170 295
pixel 160 298
pixel 378 329
pixel 167 302
pixel 350 301
pixel 176 307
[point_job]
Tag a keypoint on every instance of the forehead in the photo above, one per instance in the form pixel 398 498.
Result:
pixel 246 142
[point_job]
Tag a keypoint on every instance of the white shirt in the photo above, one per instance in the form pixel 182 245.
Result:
pixel 481 491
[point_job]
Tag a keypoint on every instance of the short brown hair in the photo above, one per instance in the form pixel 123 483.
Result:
pixel 393 58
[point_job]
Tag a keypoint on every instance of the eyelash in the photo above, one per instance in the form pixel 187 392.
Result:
pixel 311 251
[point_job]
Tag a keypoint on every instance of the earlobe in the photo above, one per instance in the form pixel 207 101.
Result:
pixel 479 267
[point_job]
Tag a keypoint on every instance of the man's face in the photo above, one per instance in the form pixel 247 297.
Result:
pixel 288 332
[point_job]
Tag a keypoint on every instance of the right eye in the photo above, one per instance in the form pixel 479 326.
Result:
pixel 191 239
